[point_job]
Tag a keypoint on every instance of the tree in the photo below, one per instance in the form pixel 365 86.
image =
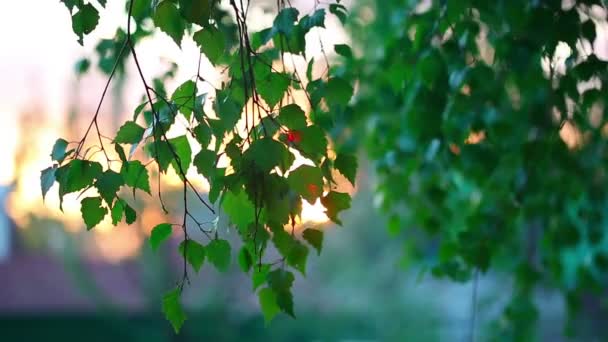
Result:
pixel 485 122
pixel 261 190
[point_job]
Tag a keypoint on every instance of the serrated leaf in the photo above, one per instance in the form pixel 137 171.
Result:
pixel 59 150
pixel 284 21
pixel 292 117
pixel 312 142
pixel 76 175
pixel 173 310
pixel 85 21
pixel 268 154
pixel 194 253
pixel 183 151
pixel 268 304
pixel 202 134
pixel 315 238
pixel 184 98
pixel 195 11
pixel 334 203
pixel 47 179
pixel 108 185
pixel 204 161
pixel 135 175
pixel 160 233
pixel 218 253
pixel 259 275
pixel 307 181
pixel 168 19
pixel 239 209
pixel 130 214
pixel 117 211
pixel 211 42
pixel 92 211
pixel 273 87
pixel 281 281
pixel 129 133
pixel 347 165
pixel 245 259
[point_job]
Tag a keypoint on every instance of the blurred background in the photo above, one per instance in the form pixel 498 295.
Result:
pixel 60 282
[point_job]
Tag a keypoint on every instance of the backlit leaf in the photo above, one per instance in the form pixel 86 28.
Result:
pixel 92 211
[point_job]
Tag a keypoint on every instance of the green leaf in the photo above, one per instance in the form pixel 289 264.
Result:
pixel 129 133
pixel 135 175
pixel 268 304
pixel 59 150
pixel 281 281
pixel 347 165
pixel 195 11
pixel 47 179
pixel 338 92
pixel 273 87
pixel 184 153
pixel 259 275
pixel 313 143
pixel 130 214
pixel 184 98
pixel 212 43
pixel 161 151
pixel 343 50
pixel 335 202
pixel 194 253
pixel 293 250
pixel 202 134
pixel 239 209
pixel 204 161
pixel 339 11
pixel 218 253
pixel 267 154
pixel 77 175
pixel 284 21
pixel 315 238
pixel 167 19
pixel 117 211
pixel 108 185
pixel 317 19
pixel 292 117
pixel 160 233
pixel 121 153
pixel 85 21
pixel 245 259
pixel 307 181
pixel 172 309
pixel 92 211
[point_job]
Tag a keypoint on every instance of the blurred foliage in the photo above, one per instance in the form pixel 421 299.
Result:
pixel 484 121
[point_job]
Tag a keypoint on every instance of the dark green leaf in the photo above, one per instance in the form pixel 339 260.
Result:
pixel 335 202
pixel 313 143
pixel 92 211
pixel 184 98
pixel 108 185
pixel 292 117
pixel 85 21
pixel 347 165
pixel 160 233
pixel 245 259
pixel 307 181
pixel 338 92
pixel 281 281
pixel 76 175
pixel 343 50
pixel 267 154
pixel 130 214
pixel 339 11
pixel 204 162
pixel 117 211
pixel 195 11
pixel 315 238
pixel 284 21
pixel 239 209
pixel 273 87
pixel 182 149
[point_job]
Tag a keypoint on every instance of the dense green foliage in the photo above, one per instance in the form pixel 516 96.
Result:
pixel 260 188
pixel 483 120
